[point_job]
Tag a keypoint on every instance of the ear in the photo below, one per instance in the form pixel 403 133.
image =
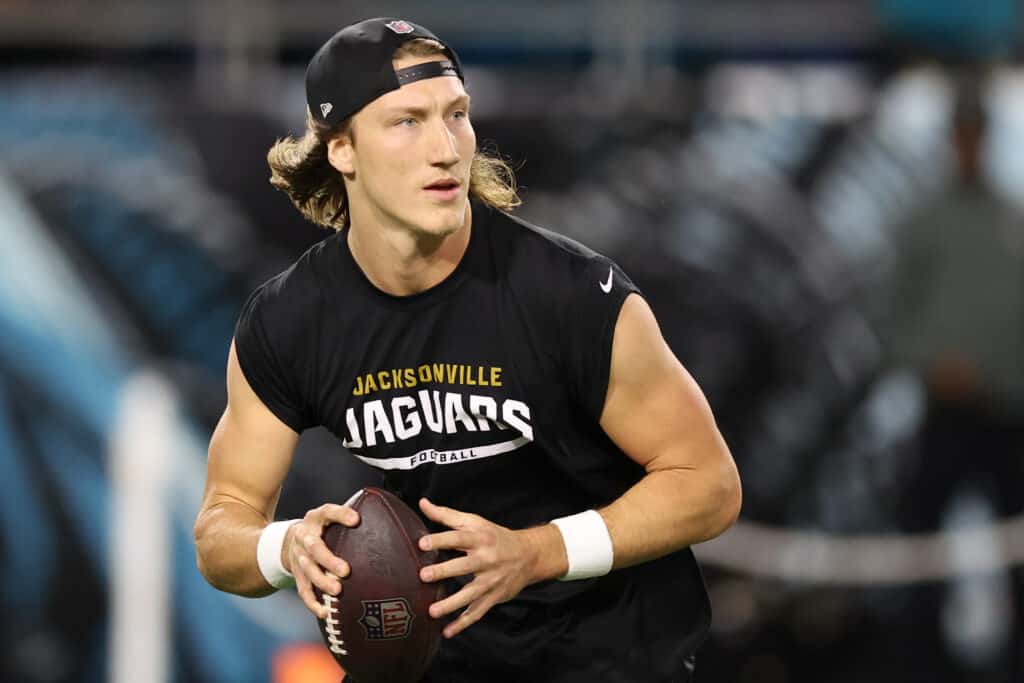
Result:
pixel 341 154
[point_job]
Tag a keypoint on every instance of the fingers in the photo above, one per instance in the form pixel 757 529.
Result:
pixel 460 566
pixel 492 556
pixel 312 562
pixel 477 600
pixel 305 590
pixel 342 514
pixel 325 580
pixel 470 592
pixel 315 549
pixel 447 516
pixel 307 541
pixel 309 573
pixel 469 616
pixel 450 540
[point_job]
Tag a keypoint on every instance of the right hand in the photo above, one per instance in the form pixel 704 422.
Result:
pixel 307 557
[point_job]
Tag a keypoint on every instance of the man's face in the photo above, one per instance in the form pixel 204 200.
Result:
pixel 411 160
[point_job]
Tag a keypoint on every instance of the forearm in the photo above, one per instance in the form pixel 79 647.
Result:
pixel 671 509
pixel 665 511
pixel 226 536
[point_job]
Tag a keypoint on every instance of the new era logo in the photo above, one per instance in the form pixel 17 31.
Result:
pixel 399 26
pixel 325 108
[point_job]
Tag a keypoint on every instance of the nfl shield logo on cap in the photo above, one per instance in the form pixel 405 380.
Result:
pixel 399 26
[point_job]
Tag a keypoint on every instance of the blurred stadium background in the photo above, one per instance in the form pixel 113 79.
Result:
pixel 791 182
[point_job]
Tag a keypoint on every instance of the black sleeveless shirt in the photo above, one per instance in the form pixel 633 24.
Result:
pixel 484 393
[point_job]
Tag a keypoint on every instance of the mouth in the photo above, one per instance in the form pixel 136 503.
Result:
pixel 447 188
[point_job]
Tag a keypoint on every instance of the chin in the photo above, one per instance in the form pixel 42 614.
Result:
pixel 444 221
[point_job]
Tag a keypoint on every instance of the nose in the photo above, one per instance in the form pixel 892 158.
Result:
pixel 443 149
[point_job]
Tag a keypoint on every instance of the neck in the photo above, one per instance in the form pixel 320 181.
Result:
pixel 402 261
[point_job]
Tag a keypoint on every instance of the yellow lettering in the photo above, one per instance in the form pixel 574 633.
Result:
pixel 410 377
pixel 371 386
pixel 451 372
pixel 438 372
pixel 396 379
pixel 358 391
pixel 480 379
pixel 495 377
pixel 469 377
pixel 383 380
pixel 424 374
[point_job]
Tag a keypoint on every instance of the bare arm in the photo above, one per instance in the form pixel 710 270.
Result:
pixel 658 416
pixel 249 456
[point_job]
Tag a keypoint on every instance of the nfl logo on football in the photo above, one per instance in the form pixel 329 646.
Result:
pixel 386 619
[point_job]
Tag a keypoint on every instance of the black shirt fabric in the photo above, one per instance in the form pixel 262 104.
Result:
pixel 484 393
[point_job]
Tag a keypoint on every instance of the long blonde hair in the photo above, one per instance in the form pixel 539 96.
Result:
pixel 299 166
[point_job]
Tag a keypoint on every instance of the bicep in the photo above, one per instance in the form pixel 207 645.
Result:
pixel 250 450
pixel 654 411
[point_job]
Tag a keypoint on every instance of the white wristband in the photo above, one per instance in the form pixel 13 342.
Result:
pixel 268 554
pixel 587 545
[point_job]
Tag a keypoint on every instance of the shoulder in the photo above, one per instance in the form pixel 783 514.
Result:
pixel 538 248
pixel 283 312
pixel 299 287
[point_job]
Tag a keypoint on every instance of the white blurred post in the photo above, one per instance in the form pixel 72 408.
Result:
pixel 141 543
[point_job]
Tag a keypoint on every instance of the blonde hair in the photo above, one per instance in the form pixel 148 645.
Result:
pixel 299 166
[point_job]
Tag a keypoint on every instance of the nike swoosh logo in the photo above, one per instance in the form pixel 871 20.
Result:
pixel 606 287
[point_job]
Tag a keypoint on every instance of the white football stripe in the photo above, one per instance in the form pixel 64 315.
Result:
pixel 430 456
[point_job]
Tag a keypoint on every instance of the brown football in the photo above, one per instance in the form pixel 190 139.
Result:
pixel 379 629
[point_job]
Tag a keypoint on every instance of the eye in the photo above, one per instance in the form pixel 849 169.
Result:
pixel 407 122
pixel 460 114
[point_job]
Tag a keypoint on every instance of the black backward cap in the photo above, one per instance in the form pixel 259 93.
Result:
pixel 353 68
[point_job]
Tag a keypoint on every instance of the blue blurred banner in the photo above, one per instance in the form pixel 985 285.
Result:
pixel 963 28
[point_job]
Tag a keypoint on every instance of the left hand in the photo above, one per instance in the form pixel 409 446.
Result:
pixel 501 560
